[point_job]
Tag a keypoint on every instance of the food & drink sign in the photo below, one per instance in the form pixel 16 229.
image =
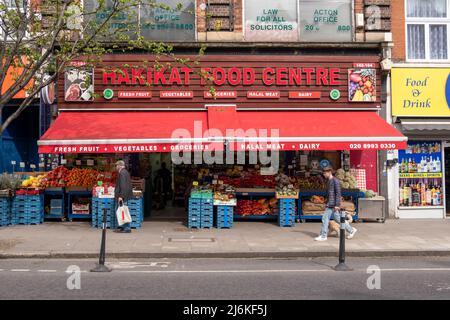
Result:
pixel 421 92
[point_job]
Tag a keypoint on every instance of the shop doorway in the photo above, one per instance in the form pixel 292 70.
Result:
pixel 163 201
pixel 447 177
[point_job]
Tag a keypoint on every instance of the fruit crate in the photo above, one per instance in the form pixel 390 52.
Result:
pixel 224 217
pixel 5 211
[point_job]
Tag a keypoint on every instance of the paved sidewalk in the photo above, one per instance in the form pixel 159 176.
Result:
pixel 246 239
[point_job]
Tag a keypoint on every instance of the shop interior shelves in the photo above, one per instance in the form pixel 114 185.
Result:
pixel 73 194
pixel 355 194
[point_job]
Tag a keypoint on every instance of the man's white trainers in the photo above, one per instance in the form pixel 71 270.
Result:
pixel 351 235
pixel 321 238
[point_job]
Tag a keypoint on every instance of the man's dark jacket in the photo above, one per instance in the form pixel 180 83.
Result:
pixel 334 193
pixel 124 189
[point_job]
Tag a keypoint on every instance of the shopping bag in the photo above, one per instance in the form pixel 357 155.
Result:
pixel 123 215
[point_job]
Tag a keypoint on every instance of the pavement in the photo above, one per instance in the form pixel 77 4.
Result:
pixel 171 239
pixel 227 279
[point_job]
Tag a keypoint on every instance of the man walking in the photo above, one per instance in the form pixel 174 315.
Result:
pixel 333 206
pixel 123 192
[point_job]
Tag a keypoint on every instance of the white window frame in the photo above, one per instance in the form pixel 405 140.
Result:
pixel 427 22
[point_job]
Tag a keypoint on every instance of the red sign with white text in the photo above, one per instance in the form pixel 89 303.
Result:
pixel 263 94
pixel 304 95
pixel 218 146
pixel 131 148
pixel 363 65
pixel 220 95
pixel 134 94
pixel 176 94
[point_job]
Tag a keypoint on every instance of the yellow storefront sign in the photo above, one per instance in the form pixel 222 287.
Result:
pixel 421 92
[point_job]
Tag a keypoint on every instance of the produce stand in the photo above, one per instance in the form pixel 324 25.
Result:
pixel 74 193
pixel 55 193
pixel 251 194
pixel 354 194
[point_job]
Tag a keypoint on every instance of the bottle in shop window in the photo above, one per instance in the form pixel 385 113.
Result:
pixel 430 164
pixel 438 165
pixel 429 196
pixel 415 196
pixel 423 194
pixel 402 186
pixel 438 196
pixel 433 196
pixel 424 164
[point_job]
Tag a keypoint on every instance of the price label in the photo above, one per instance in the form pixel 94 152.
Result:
pixel 220 182
pixel 32 166
pixel 78 162
pixel 22 164
pixel 195 183
pixel 13 163
pixel 216 176
pixel 63 161
pixel 290 167
pixel 214 182
pixel 41 165
pixel 90 162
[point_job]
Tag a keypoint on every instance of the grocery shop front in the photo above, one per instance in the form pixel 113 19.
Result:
pixel 264 132
pixel 420 110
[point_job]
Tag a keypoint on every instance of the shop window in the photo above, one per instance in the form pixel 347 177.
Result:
pixel 175 21
pixel 427 24
pixel 420 174
pixel 220 15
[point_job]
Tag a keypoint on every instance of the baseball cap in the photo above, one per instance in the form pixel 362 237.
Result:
pixel 120 163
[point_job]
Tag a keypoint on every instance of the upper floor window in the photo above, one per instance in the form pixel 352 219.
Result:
pixel 427 25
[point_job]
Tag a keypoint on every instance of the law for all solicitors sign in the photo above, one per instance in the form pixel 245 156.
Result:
pixel 267 20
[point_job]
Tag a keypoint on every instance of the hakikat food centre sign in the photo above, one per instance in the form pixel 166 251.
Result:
pixel 249 81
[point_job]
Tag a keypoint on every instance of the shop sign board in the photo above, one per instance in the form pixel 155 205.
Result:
pixel 329 20
pixel 421 92
pixel 267 20
pixel 126 82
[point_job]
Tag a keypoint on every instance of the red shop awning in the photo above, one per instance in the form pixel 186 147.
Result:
pixel 148 131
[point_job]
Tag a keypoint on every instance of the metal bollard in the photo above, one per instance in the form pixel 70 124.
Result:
pixel 341 266
pixel 100 267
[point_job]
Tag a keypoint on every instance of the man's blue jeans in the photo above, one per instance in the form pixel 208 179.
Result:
pixel 125 226
pixel 327 215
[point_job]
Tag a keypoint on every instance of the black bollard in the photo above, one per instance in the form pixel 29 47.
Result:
pixel 341 266
pixel 100 267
